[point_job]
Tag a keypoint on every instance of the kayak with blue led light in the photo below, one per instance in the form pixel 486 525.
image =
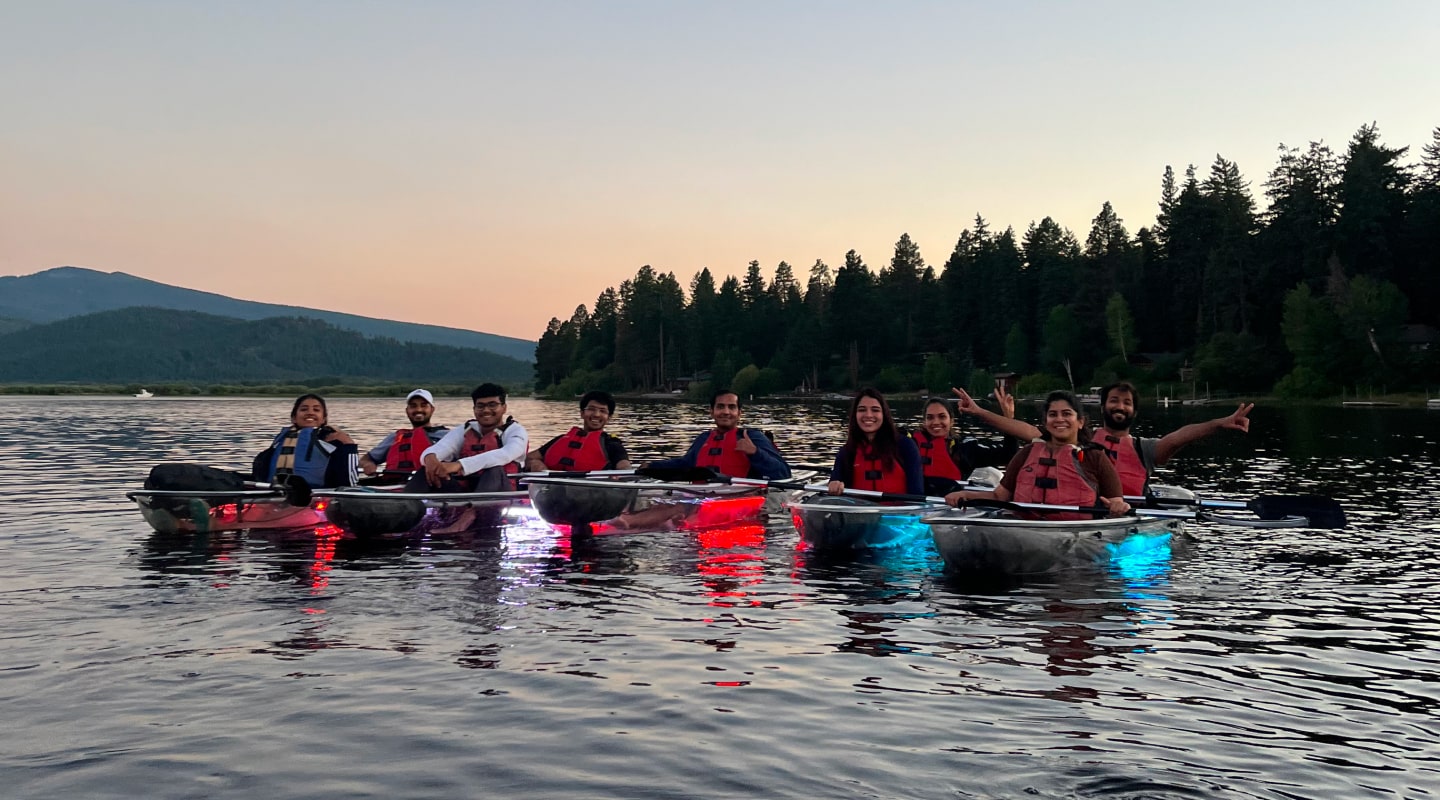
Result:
pixel 989 540
pixel 827 522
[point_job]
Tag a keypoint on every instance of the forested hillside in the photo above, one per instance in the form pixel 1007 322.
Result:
pixel 64 292
pixel 1335 284
pixel 155 345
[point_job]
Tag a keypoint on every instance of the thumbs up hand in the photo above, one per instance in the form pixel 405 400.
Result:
pixel 744 445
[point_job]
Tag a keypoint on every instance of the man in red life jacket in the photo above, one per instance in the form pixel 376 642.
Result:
pixel 1135 457
pixel 730 449
pixel 478 456
pixel 586 448
pixel 400 450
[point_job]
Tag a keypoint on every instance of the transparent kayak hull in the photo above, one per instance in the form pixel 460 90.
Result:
pixel 203 512
pixel 992 541
pixel 846 523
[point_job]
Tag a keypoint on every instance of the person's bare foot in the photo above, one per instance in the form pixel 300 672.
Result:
pixel 462 523
pixel 657 516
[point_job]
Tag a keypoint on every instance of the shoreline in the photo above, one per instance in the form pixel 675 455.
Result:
pixel 172 391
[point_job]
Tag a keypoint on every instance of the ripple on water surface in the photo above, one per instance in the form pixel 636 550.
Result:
pixel 522 663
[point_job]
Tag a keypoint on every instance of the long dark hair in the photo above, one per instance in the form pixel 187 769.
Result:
pixel 884 446
pixel 302 398
pixel 1082 435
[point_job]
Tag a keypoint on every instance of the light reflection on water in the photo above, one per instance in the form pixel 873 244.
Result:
pixel 729 662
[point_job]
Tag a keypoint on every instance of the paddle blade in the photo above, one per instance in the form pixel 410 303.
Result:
pixel 1322 512
pixel 682 474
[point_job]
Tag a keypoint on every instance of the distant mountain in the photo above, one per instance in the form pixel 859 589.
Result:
pixel 154 345
pixel 64 292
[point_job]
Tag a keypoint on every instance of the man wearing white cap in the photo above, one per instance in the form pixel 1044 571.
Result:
pixel 400 451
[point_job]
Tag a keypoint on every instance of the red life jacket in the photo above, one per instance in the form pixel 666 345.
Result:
pixel 719 453
pixel 1055 480
pixel 577 450
pixel 935 458
pixel 870 473
pixel 404 452
pixel 1133 475
pixel 474 444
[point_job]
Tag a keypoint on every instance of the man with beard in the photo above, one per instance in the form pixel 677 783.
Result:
pixel 730 449
pixel 1136 457
pixel 400 451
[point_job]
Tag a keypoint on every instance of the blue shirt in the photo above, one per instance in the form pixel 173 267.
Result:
pixel 766 463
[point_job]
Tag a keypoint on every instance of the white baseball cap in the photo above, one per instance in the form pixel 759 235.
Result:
pixel 422 394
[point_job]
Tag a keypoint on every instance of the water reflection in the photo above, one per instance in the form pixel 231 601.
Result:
pixel 1247 663
pixel 731 559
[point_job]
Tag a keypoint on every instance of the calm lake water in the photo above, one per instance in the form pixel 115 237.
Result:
pixel 519 664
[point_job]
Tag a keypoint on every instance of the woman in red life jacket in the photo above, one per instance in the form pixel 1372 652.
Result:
pixel 875 456
pixel 947 461
pixel 1062 467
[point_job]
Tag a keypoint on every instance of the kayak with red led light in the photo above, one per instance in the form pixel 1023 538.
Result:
pixel 632 503
pixel 189 511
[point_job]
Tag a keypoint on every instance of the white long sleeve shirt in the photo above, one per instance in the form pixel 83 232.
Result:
pixel 514 444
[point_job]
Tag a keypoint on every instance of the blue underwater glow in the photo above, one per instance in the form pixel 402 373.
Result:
pixel 900 530
pixel 1140 558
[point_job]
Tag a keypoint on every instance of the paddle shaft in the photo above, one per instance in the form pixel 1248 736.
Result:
pixel 1102 511
pixel 1235 504
pixel 599 473
pixel 1318 510
pixel 825 488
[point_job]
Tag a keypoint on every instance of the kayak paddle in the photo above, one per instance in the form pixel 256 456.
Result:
pixel 1317 510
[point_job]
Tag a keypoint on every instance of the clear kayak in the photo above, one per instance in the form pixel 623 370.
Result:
pixel 362 511
pixel 996 541
pixel 185 511
pixel 630 502
pixel 366 511
pixel 828 522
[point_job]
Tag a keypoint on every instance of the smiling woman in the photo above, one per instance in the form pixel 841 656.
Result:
pixel 1062 468
pixel 875 457
pixel 309 449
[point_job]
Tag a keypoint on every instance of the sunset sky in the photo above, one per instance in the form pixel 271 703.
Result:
pixel 491 165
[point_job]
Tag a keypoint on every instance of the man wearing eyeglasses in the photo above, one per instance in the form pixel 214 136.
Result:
pixel 478 456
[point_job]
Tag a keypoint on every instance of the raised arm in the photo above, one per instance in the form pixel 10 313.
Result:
pixel 1171 443
pixel 1010 426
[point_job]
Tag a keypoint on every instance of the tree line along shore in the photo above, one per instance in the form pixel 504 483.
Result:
pixel 697 393
pixel 1330 292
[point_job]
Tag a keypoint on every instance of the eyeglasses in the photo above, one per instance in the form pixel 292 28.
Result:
pixel 490 406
